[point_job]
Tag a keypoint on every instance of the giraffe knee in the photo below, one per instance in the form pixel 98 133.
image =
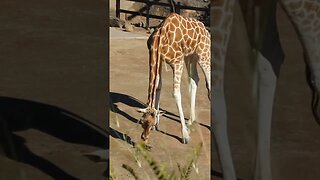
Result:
pixel 193 85
pixel 176 94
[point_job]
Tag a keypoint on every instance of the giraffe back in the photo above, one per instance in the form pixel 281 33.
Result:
pixel 181 36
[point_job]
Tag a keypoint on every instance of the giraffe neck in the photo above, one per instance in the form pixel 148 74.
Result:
pixel 154 68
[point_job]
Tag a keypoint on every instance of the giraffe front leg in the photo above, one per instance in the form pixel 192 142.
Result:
pixel 193 84
pixel 219 120
pixel 267 85
pixel 219 123
pixel 177 95
pixel 158 114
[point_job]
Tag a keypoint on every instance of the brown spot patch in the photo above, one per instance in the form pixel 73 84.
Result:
pixel 183 23
pixel 188 42
pixel 201 45
pixel 171 27
pixel 175 22
pixel 178 35
pixel 198 30
pixel 165 49
pixel 175 45
pixel 170 53
pixel 179 54
pixel 184 30
pixel 193 43
pixel 170 36
pixel 188 25
pixel 190 33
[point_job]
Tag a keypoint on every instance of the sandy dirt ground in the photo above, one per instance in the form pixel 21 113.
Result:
pixel 128 91
pixel 53 89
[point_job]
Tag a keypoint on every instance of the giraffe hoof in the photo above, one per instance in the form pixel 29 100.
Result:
pixel 185 140
pixel 154 128
pixel 190 122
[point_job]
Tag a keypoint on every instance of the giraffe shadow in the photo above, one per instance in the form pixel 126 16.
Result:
pixel 119 135
pixel 135 103
pixel 19 115
pixel 176 118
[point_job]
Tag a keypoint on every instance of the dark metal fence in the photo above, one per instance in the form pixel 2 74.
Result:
pixel 145 11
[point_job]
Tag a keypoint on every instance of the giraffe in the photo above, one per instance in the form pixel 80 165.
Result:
pixel 176 38
pixel 305 15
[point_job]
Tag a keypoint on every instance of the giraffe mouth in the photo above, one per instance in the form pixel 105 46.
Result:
pixel 144 137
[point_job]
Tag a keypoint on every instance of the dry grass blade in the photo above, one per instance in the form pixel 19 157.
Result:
pixel 186 171
pixel 159 172
pixel 112 173
pixel 131 171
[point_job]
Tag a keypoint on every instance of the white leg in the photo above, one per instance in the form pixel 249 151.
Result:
pixel 219 117
pixel 267 85
pixel 177 95
pixel 193 84
pixel 219 122
pixel 158 103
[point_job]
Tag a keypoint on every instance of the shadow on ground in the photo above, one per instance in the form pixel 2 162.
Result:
pixel 135 103
pixel 18 115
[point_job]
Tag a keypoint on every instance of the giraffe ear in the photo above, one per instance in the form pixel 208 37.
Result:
pixel 142 110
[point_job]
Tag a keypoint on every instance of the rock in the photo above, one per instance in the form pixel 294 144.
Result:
pixel 116 22
pixel 128 26
pixel 138 24
pixel 150 30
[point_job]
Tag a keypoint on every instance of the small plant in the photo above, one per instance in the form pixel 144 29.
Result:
pixel 186 171
pixel 130 169
pixel 160 172
pixel 112 174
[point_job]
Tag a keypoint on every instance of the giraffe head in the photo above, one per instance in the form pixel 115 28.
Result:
pixel 149 120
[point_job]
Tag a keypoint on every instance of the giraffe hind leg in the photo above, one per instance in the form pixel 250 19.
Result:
pixel 177 95
pixel 207 73
pixel 267 85
pixel 158 91
pixel 193 84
